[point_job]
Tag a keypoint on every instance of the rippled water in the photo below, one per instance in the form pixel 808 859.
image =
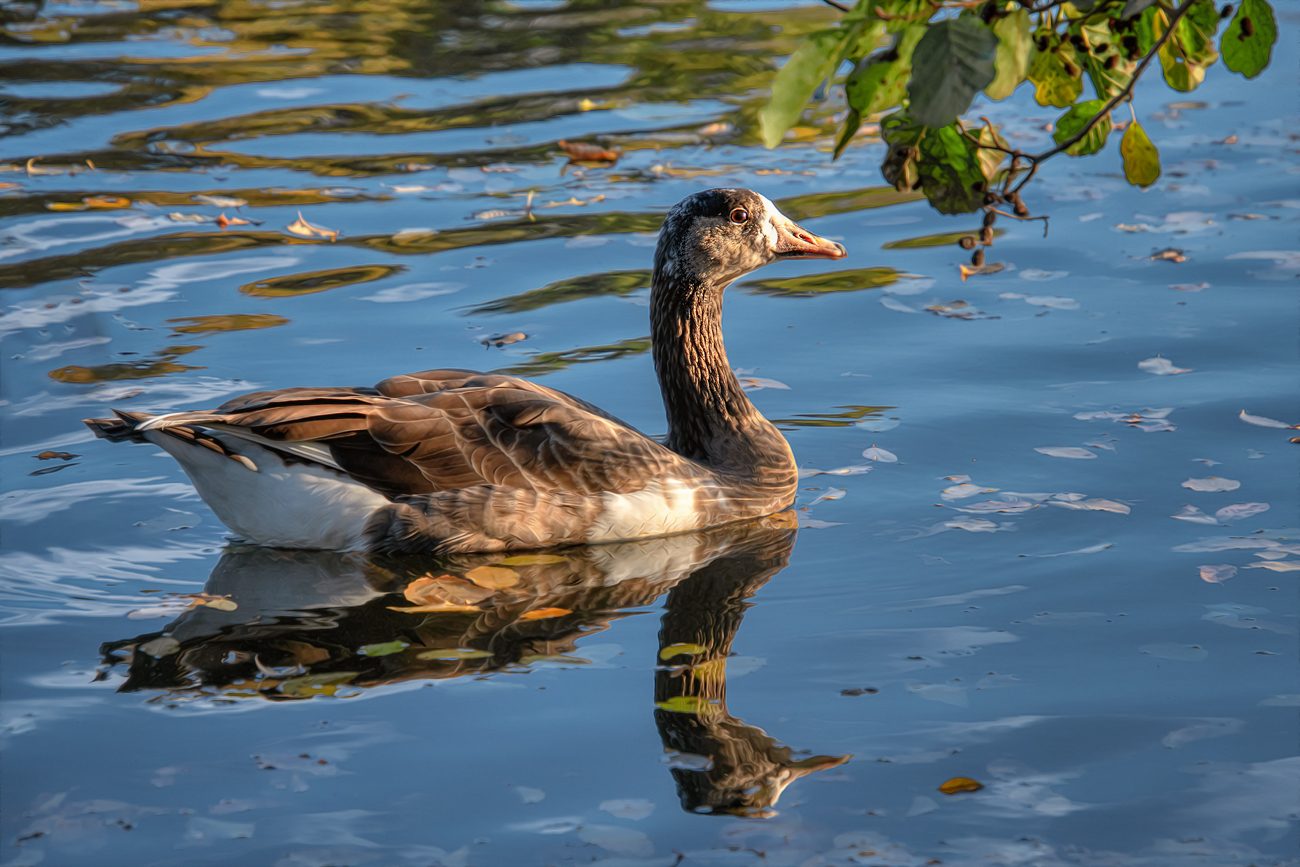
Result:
pixel 725 698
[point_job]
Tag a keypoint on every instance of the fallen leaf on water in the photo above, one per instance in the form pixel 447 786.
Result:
pixel 960 784
pixel 307 230
pixel 1277 565
pixel 178 217
pixel 1195 515
pixel 544 613
pixel 894 304
pixel 973 525
pixel 531 795
pixel 1180 652
pixel 49 456
pixel 531 560
pixel 317 684
pixel 1066 452
pixel 499 340
pixel 64 206
pixel 1217 574
pixel 684 704
pixel 454 653
pixel 755 383
pixel 1161 367
pixel 957 492
pixel 223 221
pixel 855 470
pixel 672 650
pixel 815 524
pixel 106 203
pixel 383 648
pixel 1189 287
pixel 436 607
pixel 1093 505
pixel 493 577
pixel 33 170
pixel 879 454
pixel 1213 484
pixel 988 268
pixel 418 590
pixel 1168 254
pixel 162 646
pixel 1238 511
pixel 628 808
pixel 1264 422
pixel 831 494
pixel 219 201
pixel 587 153
pixel 1253 455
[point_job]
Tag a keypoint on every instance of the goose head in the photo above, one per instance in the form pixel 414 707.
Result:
pixel 716 236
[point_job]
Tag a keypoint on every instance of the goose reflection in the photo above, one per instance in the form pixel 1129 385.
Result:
pixel 310 623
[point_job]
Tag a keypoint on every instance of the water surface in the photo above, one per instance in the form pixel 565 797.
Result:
pixel 759 695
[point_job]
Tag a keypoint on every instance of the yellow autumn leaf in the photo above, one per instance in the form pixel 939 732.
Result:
pixel 222 604
pixel 307 230
pixel 960 784
pixel 544 613
pixel 530 560
pixel 684 704
pixel 493 577
pixel 677 649
pixel 106 203
pixel 224 221
pixel 440 606
pixel 317 684
pixel 421 590
pixel 64 206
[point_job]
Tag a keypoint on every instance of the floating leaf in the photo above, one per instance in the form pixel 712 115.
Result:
pixel 1067 452
pixel 1217 574
pixel 581 152
pixel 1169 254
pixel 544 613
pixel 622 841
pixel 628 808
pixel 1189 287
pixel 530 560
pixel 309 282
pixel 1195 515
pixel 1161 367
pixel 960 784
pixel 953 61
pixel 957 492
pixel 878 454
pixel 1249 54
pixel 493 577
pixel 307 230
pixel 231 322
pixel 678 649
pixel 1213 484
pixel 685 704
pixel 1141 159
pixel 220 201
pixel 106 203
pixel 383 648
pixel 311 685
pixel 454 653
pixel 223 221
pixel 757 383
pixel 1264 422
pixel 1180 652
pixel 1277 565
pixel 530 795
pixel 1240 511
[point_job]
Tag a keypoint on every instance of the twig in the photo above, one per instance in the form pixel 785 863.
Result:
pixel 1023 219
pixel 839 6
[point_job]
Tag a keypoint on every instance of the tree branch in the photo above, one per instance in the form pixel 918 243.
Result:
pixel 838 6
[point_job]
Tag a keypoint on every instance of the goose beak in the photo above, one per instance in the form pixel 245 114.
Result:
pixel 795 242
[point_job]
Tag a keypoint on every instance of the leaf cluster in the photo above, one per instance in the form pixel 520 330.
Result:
pixel 918 65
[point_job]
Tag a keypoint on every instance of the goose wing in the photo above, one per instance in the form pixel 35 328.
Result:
pixel 446 429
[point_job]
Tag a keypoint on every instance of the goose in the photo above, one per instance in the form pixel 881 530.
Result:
pixel 452 461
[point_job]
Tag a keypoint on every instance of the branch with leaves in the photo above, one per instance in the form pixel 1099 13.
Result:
pixel 917 67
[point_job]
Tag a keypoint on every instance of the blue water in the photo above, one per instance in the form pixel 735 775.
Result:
pixel 1058 643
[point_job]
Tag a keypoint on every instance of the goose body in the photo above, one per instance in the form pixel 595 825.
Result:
pixel 459 461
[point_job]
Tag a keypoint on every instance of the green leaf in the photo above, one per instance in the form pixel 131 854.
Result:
pixel 1133 7
pixel 1054 84
pixel 1190 49
pixel 1076 119
pixel 878 83
pixel 852 123
pixel 1141 159
pixel 383 648
pixel 812 63
pixel 902 134
pixel 952 62
pixel 1012 61
pixel 1249 55
pixel 952 176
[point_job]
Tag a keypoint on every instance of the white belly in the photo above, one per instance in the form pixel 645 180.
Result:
pixel 664 506
pixel 294 506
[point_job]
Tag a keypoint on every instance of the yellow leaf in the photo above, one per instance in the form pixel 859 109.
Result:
pixel 684 704
pixel 224 221
pixel 106 203
pixel 530 560
pixel 222 604
pixel 442 606
pixel 677 649
pixel 317 684
pixel 419 590
pixel 544 613
pixel 493 577
pixel 64 206
pixel 454 653
pixel 307 230
pixel 960 784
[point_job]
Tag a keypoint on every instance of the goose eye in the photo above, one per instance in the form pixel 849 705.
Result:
pixel 739 215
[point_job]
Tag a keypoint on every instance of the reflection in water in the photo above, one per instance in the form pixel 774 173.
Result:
pixel 309 623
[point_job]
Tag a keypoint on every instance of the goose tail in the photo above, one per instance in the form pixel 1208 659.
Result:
pixel 122 428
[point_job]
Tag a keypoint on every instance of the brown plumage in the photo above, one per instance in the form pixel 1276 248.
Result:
pixel 456 460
